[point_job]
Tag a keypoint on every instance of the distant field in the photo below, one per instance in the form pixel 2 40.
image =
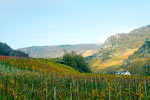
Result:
pixel 44 79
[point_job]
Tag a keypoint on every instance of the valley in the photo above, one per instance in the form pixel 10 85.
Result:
pixel 59 50
pixel 79 72
pixel 74 50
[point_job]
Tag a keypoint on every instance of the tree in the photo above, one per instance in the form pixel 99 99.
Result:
pixel 76 61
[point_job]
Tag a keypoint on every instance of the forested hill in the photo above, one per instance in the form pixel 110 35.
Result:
pixel 124 41
pixel 58 50
pixel 8 51
pixel 117 48
pixel 139 62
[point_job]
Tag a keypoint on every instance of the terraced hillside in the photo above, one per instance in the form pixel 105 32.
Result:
pixel 117 48
pixel 139 62
pixel 110 65
pixel 43 65
pixel 43 79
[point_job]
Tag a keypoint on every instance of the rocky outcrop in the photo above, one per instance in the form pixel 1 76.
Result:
pixel 117 45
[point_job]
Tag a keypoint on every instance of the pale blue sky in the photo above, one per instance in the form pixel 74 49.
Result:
pixel 52 22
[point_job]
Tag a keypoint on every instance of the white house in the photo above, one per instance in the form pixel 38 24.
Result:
pixel 123 73
pixel 126 73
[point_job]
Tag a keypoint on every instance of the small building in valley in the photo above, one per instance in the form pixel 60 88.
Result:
pixel 123 73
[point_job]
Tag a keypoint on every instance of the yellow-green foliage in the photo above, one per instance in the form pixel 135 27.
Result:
pixel 94 64
pixel 137 65
pixel 47 65
pixel 117 60
pixel 40 79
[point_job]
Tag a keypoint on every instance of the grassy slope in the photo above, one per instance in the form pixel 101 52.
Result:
pixel 136 66
pixel 89 53
pixel 138 63
pixel 25 79
pixel 46 65
pixel 113 63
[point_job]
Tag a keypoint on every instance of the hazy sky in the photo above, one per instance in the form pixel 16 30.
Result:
pixel 51 22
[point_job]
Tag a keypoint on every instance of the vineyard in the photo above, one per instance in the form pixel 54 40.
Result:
pixel 44 79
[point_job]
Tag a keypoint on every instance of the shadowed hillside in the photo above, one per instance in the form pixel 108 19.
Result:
pixel 8 51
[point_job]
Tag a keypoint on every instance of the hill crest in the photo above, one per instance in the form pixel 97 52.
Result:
pixel 58 50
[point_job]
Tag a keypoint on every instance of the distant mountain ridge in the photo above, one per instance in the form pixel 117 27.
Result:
pixel 6 50
pixel 117 48
pixel 58 50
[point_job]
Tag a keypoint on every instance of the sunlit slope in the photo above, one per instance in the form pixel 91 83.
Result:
pixel 139 62
pixel 97 65
pixel 138 66
pixel 44 65
pixel 117 48
pixel 89 53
